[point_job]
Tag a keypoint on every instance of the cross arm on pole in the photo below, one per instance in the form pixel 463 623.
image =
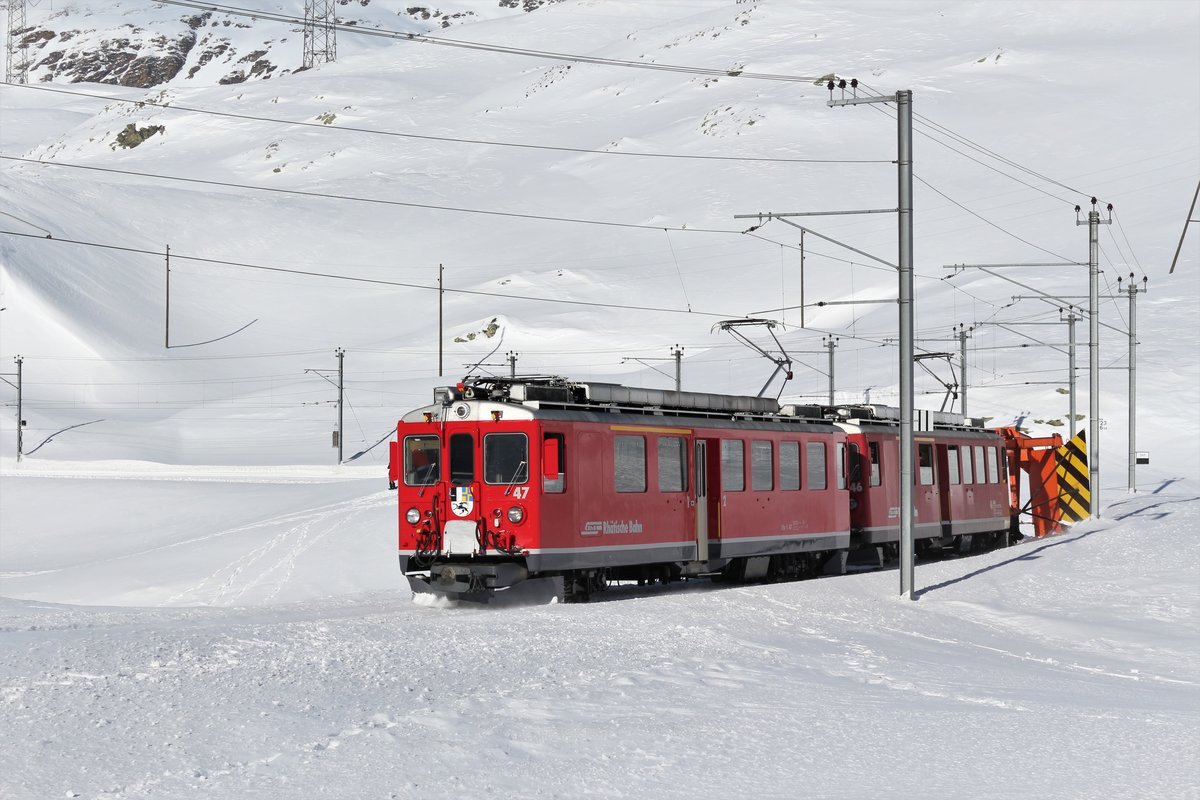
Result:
pixel 831 240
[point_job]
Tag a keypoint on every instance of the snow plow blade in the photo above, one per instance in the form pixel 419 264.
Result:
pixel 536 591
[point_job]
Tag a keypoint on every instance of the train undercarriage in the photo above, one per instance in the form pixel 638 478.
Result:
pixel 485 580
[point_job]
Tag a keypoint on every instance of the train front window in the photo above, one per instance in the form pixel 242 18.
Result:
pixel 505 458
pixel 422 460
pixel 462 459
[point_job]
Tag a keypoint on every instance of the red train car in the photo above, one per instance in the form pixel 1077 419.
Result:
pixel 960 491
pixel 576 484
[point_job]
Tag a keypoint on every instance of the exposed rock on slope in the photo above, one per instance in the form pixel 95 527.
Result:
pixel 206 47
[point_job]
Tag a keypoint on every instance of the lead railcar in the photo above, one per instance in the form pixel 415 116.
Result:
pixel 582 483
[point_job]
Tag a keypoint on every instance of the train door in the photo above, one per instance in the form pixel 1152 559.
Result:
pixel 708 508
pixel 927 497
pixel 701 500
pixel 946 476
pixel 461 530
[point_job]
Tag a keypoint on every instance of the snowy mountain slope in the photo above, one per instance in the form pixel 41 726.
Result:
pixel 1014 78
pixel 1063 667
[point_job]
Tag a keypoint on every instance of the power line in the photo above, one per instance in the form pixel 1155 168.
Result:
pixel 942 129
pixel 353 198
pixel 986 220
pixel 811 252
pixel 169 359
pixel 380 282
pixel 1002 159
pixel 452 139
pixel 1121 228
pixel 375 281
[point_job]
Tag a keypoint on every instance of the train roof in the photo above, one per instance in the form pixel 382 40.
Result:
pixel 553 392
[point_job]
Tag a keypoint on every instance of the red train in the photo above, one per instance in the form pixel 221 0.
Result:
pixel 577 484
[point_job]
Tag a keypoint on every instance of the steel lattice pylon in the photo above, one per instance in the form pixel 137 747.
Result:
pixel 320 35
pixel 16 67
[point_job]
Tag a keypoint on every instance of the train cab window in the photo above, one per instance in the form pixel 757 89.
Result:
pixel 462 459
pixel 992 466
pixel 672 464
pixel 629 463
pixel 762 466
pixel 505 458
pixel 557 485
pixel 815 464
pixel 967 472
pixel 980 474
pixel 789 466
pixel 925 464
pixel 873 449
pixel 733 465
pixel 422 460
pixel 839 469
pixel 952 463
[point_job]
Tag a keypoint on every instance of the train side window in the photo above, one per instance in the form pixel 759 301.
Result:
pixel 839 468
pixel 629 463
pixel 733 465
pixel 952 462
pixel 672 464
pixel 789 466
pixel 992 466
pixel 980 474
pixel 967 474
pixel 873 449
pixel 815 462
pixel 762 466
pixel 557 485
pixel 462 459
pixel 925 462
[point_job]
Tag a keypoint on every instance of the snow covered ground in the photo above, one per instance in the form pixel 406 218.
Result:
pixel 266 649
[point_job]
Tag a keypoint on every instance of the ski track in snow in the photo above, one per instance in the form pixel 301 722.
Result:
pixel 243 573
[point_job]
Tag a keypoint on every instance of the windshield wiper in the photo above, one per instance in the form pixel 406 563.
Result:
pixel 513 482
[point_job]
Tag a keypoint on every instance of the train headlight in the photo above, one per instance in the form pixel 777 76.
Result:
pixel 516 515
pixel 413 516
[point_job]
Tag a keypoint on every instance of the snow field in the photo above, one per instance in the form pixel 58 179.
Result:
pixel 1064 667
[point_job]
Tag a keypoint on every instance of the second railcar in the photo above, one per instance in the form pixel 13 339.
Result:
pixel 960 485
